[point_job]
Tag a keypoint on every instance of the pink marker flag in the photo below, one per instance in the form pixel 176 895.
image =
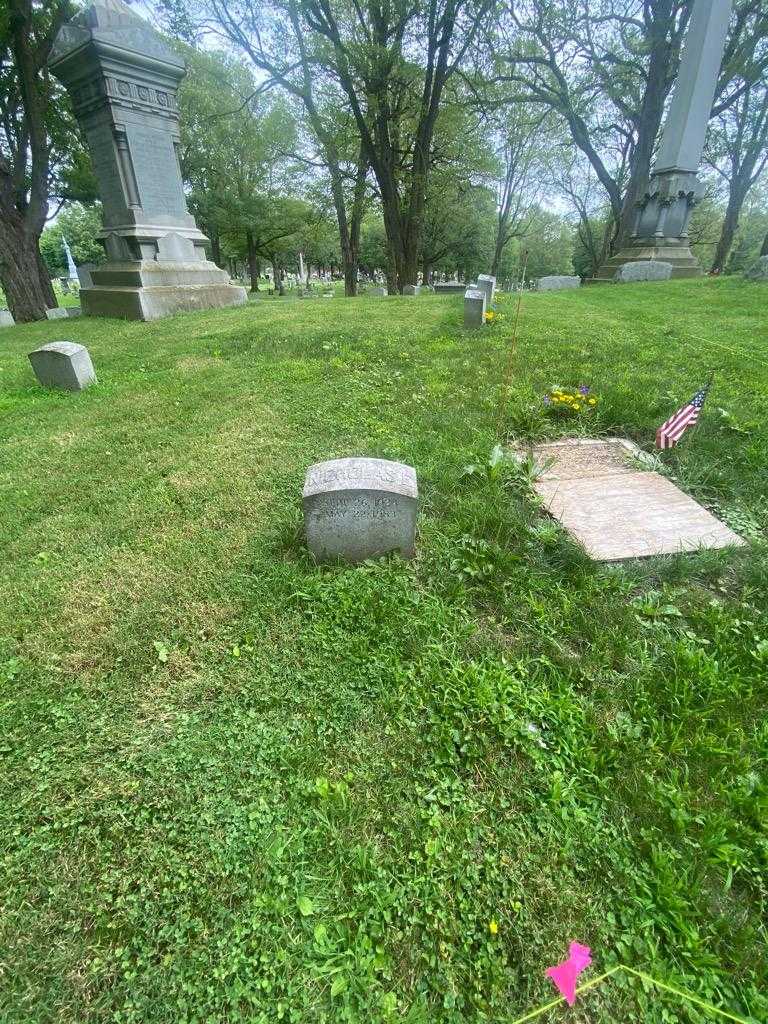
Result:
pixel 565 974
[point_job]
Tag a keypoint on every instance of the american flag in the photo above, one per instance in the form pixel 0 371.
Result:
pixel 670 432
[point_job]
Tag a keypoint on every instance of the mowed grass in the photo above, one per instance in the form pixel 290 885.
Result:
pixel 238 787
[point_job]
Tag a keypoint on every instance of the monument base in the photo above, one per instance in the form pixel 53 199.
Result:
pixel 684 263
pixel 150 290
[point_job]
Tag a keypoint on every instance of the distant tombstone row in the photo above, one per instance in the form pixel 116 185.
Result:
pixel 359 508
pixel 63 364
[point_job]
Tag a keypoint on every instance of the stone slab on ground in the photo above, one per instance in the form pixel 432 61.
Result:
pixel 643 270
pixel 449 287
pixel 412 289
pixel 58 313
pixel 63 364
pixel 604 494
pixel 556 282
pixel 358 508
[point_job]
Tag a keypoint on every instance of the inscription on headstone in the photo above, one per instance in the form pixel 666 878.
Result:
pixel 360 508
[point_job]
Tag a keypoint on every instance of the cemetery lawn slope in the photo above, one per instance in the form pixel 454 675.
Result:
pixel 236 787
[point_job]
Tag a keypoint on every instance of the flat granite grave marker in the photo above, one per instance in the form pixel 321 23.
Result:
pixel 63 364
pixel 474 307
pixel 58 313
pixel 360 508
pixel 616 507
pixel 449 287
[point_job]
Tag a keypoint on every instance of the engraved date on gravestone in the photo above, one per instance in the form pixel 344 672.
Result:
pixel 360 508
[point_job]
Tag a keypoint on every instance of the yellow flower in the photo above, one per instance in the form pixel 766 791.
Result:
pixel 493 928
pixel 593 401
pixel 576 406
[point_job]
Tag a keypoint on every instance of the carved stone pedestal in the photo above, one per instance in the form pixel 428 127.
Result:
pixel 122 77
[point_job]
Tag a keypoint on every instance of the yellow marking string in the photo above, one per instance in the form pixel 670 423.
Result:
pixel 644 977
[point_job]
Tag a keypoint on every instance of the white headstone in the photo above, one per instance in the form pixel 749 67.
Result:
pixel 644 270
pixel 487 282
pixel 360 508
pixel 6 318
pixel 63 364
pixel 556 282
pixel 411 289
pixel 59 313
pixel 474 307
pixel 378 293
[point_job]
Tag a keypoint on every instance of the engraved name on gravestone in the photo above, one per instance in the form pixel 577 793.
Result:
pixel 360 508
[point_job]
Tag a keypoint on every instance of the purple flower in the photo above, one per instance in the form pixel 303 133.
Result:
pixel 547 400
pixel 583 389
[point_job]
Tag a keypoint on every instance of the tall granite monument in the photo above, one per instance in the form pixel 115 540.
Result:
pixel 123 77
pixel 662 215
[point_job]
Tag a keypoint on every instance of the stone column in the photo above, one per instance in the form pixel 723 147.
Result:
pixel 122 78
pixel 661 222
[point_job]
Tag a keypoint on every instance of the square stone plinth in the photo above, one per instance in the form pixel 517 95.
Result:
pixel 615 507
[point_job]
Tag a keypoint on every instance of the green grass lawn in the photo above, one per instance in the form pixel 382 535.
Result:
pixel 236 787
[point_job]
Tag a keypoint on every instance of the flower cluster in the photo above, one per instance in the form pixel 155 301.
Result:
pixel 492 317
pixel 565 400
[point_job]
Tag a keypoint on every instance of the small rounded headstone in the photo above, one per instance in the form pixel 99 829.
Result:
pixel 360 508
pixel 6 318
pixel 63 364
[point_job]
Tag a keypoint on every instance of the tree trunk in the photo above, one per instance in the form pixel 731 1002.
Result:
pixel 649 119
pixel 253 263
pixel 730 223
pixel 764 247
pixel 24 277
pixel 215 248
pixel 501 239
